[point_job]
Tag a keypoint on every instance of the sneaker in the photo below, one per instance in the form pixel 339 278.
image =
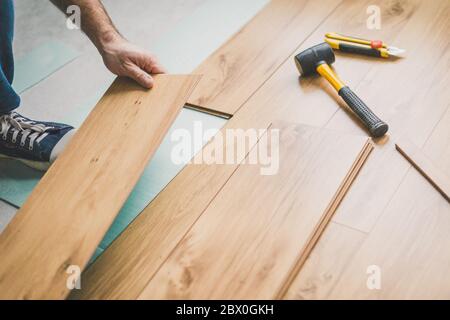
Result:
pixel 35 143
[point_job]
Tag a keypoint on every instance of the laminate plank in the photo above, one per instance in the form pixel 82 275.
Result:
pixel 417 217
pixel 238 68
pixel 247 243
pixel 150 238
pixel 437 147
pixel 72 207
pixel 411 95
pixel 327 218
pixel 326 263
pixel 425 166
pixel 121 272
pixel 409 243
pixel 408 246
pixel 420 81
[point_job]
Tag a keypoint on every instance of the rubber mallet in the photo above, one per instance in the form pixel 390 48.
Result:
pixel 317 59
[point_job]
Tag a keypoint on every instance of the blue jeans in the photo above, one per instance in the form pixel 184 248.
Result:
pixel 9 99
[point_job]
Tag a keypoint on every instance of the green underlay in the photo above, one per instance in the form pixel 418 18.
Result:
pixel 40 63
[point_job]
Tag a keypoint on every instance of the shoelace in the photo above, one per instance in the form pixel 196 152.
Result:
pixel 29 129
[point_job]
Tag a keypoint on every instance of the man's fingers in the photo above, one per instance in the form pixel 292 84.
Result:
pixel 140 76
pixel 142 67
pixel 152 66
pixel 157 68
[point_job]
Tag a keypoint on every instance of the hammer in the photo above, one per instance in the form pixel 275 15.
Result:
pixel 317 59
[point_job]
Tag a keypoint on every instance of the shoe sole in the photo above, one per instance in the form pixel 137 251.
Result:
pixel 37 165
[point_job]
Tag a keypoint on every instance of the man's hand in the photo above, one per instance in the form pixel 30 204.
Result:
pixel 119 56
pixel 125 59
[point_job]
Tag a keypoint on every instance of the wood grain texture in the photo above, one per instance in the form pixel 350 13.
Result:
pixel 410 241
pixel 409 245
pixel 339 196
pixel 425 166
pixel 413 106
pixel 122 273
pixel 410 107
pixel 247 243
pixel 237 69
pixel 386 86
pixel 437 147
pixel 326 263
pixel 72 207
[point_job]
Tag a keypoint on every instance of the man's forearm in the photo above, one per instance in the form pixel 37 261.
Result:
pixel 95 21
pixel 120 56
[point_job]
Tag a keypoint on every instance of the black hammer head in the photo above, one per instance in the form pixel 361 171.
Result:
pixel 308 60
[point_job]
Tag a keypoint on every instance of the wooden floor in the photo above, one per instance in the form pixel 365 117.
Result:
pixel 389 237
pixel 390 230
pixel 72 207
